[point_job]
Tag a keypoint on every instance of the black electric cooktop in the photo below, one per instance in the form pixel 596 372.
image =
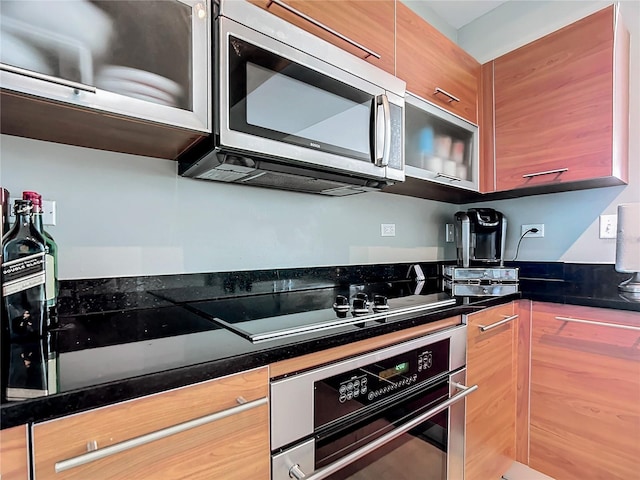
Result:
pixel 269 316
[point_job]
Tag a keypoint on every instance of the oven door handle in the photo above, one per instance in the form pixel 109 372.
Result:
pixel 358 454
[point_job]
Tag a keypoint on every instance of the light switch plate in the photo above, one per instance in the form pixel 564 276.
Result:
pixel 608 226
pixel 48 211
pixel 449 234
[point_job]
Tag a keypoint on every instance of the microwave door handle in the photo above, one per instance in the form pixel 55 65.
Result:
pixel 381 161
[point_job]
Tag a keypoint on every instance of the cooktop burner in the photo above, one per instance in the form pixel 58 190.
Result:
pixel 274 315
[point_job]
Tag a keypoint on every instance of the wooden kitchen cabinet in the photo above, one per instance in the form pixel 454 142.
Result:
pixel 14 453
pixel 369 24
pixel 585 392
pixel 491 410
pixel 561 109
pixel 226 443
pixel 427 60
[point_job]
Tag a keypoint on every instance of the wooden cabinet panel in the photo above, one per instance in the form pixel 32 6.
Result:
pixel 554 106
pixel 371 24
pixel 194 453
pixel 427 59
pixel 585 394
pixel 487 130
pixel 14 453
pixel 491 410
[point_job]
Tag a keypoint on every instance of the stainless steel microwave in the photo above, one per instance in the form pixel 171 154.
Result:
pixel 295 112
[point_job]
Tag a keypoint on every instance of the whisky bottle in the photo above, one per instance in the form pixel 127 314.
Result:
pixel 51 257
pixel 24 303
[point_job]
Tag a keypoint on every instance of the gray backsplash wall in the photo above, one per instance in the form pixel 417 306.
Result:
pixel 125 215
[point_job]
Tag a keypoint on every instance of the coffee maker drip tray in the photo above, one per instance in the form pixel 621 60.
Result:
pixel 480 281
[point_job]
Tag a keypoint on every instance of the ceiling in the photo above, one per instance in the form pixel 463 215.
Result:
pixel 458 13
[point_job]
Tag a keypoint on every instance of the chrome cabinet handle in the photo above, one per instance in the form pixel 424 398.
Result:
pixel 547 172
pixel 484 328
pixel 384 161
pixel 386 438
pixel 602 324
pixel 448 177
pixel 324 27
pixel 48 78
pixel 296 472
pixel 101 453
pixel 452 98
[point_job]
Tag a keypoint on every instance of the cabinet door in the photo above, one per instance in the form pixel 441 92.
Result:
pixel 427 60
pixel 146 439
pixel 491 410
pixel 138 59
pixel 585 393
pixel 14 453
pixel 555 114
pixel 369 24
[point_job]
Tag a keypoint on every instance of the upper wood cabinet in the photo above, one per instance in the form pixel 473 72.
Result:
pixel 491 411
pixel 131 76
pixel 585 392
pixel 368 24
pixel 561 108
pixel 434 67
pixel 215 429
pixel 14 453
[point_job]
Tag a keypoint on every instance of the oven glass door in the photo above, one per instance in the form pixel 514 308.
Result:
pixel 419 453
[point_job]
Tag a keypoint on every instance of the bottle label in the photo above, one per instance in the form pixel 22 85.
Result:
pixel 50 285
pixel 22 274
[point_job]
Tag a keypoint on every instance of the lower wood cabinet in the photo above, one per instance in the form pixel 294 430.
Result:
pixel 491 410
pixel 215 429
pixel 14 453
pixel 585 393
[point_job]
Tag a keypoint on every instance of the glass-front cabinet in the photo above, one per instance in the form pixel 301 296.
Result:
pixel 146 59
pixel 439 146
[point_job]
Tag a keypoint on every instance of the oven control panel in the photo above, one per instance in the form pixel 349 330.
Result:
pixel 353 390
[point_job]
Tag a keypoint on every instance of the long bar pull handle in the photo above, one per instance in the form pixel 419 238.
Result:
pixel 484 328
pixel 602 324
pixel 547 172
pixel 387 131
pixel 388 437
pixel 324 27
pixel 452 98
pixel 153 436
pixel 448 177
pixel 48 78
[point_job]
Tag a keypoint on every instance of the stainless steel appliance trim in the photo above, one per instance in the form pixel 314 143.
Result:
pixel 352 457
pixel 456 430
pixel 484 328
pixel 547 172
pixel 292 409
pixel 261 337
pixel 153 436
pixel 601 324
pixel 303 455
pixel 452 98
pixel 384 161
pixel 48 78
pixel 239 141
pixel 324 27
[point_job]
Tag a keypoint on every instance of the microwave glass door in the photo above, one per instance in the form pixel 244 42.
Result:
pixel 439 146
pixel 278 99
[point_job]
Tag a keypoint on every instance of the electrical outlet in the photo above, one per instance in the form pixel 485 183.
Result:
pixel 388 229
pixel 538 234
pixel 449 233
pixel 608 226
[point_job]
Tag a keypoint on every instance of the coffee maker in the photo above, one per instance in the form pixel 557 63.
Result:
pixel 480 235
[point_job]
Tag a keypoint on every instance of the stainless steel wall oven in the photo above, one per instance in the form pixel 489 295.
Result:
pixel 392 414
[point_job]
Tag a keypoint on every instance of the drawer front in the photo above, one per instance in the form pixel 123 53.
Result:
pixel 68 437
pixel 14 454
pixel 585 392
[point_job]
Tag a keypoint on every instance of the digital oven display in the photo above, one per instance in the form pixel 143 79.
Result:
pixel 397 370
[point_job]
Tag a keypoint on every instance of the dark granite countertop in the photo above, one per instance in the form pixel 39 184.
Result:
pixel 117 343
